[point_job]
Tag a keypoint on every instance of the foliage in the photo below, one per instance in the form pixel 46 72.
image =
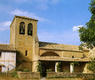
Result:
pixel 76 63
pixel 23 70
pixel 87 34
pixel 19 69
pixel 14 74
pixel 91 65
pixel 59 67
pixel 26 70
pixel 92 79
pixel 49 70
pixel 92 6
pixel 41 69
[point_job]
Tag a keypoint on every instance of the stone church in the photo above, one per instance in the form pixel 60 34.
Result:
pixel 25 47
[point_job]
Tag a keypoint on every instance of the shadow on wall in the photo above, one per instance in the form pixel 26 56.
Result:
pixel 22 62
pixel 43 44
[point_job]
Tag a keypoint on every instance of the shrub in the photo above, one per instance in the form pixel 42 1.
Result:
pixel 49 70
pixel 41 69
pixel 91 65
pixel 26 70
pixel 14 74
pixel 59 67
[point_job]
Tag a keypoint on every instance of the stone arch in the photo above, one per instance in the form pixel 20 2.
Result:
pixel 22 28
pixel 50 54
pixel 30 29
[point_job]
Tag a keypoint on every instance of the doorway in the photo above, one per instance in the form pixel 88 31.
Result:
pixel 47 66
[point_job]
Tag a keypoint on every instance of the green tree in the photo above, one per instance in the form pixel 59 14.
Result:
pixel 87 34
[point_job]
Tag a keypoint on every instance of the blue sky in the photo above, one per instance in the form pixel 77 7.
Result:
pixel 58 19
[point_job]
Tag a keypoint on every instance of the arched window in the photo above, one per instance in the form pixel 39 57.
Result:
pixel 30 29
pixel 22 28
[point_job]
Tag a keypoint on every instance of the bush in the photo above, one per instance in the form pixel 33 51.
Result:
pixel 59 67
pixel 41 69
pixel 49 70
pixel 20 69
pixel 14 74
pixel 26 70
pixel 91 65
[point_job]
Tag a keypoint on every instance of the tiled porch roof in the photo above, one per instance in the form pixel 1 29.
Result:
pixel 46 45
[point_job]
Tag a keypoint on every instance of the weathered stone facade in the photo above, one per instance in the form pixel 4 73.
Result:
pixel 34 51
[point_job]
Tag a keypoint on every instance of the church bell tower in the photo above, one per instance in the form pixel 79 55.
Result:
pixel 23 36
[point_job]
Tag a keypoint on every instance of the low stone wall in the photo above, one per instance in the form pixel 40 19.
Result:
pixel 28 75
pixel 69 75
pixel 65 79
pixel 56 76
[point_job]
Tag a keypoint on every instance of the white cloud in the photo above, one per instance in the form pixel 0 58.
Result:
pixel 76 28
pixel 28 14
pixel 5 25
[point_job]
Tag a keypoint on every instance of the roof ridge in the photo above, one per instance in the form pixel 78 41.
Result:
pixel 58 43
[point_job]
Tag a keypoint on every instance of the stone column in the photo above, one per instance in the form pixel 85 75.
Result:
pixel 71 67
pixel 34 66
pixel 56 63
pixel 86 70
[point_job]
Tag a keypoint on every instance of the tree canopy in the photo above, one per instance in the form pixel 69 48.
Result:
pixel 87 33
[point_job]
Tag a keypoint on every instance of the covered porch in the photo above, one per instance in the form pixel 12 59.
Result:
pixel 63 66
pixel 65 61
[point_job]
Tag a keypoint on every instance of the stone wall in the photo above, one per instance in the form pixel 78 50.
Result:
pixel 56 76
pixel 70 75
pixel 29 75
